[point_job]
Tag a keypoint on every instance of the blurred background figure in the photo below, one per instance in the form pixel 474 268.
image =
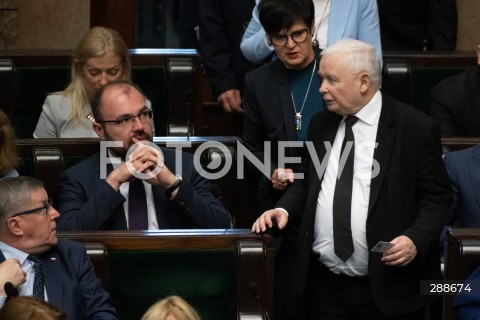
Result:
pixel 9 159
pixel 28 308
pixel 455 103
pixel 418 25
pixel 222 24
pixel 100 57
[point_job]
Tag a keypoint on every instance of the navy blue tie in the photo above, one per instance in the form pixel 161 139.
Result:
pixel 342 199
pixel 137 206
pixel 38 282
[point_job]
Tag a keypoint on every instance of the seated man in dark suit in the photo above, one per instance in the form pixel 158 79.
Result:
pixel 463 167
pixel 467 302
pixel 455 103
pixel 375 175
pixel 57 270
pixel 163 200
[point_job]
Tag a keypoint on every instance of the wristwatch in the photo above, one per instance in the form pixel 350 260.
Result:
pixel 173 187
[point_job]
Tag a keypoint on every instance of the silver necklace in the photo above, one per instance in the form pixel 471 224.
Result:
pixel 298 115
pixel 315 41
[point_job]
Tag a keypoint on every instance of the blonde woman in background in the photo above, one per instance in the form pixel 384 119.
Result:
pixel 101 56
pixel 9 158
pixel 171 308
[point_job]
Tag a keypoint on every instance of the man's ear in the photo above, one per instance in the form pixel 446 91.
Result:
pixel 15 226
pixel 365 82
pixel 99 130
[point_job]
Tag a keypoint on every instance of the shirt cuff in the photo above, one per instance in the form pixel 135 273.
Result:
pixel 283 210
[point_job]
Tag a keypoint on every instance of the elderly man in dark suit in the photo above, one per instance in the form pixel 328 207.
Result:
pixel 57 270
pixel 392 186
pixel 149 189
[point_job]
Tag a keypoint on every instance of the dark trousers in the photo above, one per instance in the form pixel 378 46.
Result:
pixel 341 297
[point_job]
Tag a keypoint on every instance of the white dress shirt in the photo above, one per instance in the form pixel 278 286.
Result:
pixel 25 289
pixel 365 132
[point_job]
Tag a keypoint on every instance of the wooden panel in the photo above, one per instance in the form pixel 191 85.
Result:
pixel 120 15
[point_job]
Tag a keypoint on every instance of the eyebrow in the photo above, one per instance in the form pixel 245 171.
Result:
pixel 132 115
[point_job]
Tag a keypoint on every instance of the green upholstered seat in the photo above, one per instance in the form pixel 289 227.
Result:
pixel 205 278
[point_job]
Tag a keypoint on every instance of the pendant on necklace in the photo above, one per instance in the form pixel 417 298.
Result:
pixel 298 121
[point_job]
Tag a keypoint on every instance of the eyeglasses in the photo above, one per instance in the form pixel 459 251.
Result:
pixel 144 117
pixel 36 210
pixel 280 40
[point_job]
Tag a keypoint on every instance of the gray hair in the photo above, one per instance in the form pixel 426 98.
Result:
pixel 360 57
pixel 15 192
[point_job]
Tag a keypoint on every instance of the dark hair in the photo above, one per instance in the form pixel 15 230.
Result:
pixel 96 102
pixel 26 308
pixel 276 15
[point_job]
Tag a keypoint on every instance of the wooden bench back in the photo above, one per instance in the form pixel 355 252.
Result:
pixel 213 270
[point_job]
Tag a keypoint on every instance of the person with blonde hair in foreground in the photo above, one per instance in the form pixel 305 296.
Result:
pixel 171 308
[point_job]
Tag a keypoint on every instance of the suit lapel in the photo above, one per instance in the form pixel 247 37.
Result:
pixel 382 154
pixel 52 274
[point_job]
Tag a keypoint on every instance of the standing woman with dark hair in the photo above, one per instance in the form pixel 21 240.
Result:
pixel 101 56
pixel 9 158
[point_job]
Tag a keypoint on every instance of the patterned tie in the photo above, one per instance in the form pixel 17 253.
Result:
pixel 38 282
pixel 137 206
pixel 342 199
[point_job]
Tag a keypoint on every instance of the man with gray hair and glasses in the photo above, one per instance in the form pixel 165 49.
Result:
pixel 57 270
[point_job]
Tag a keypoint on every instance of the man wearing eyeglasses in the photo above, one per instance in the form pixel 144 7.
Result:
pixel 57 270
pixel 160 199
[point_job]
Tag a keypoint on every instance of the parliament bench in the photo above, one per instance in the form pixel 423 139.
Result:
pixel 46 159
pixel 410 77
pixel 170 78
pixel 223 274
pixel 463 257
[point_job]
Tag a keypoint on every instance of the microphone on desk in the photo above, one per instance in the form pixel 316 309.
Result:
pixel 255 291
pixel 10 290
pixel 188 98
pixel 217 193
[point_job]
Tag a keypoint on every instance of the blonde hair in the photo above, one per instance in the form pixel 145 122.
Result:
pixel 26 308
pixel 9 158
pixel 97 42
pixel 171 305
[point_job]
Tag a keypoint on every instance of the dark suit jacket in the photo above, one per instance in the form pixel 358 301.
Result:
pixel 87 202
pixel 71 283
pixel 222 24
pixel 463 167
pixel 417 24
pixel 410 196
pixel 269 117
pixel 455 103
pixel 467 303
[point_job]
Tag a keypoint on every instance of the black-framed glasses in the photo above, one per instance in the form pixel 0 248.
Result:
pixel 144 116
pixel 280 40
pixel 36 210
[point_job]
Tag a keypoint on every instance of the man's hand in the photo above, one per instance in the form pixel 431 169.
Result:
pixel 281 178
pixel 402 253
pixel 267 219
pixel 11 271
pixel 231 101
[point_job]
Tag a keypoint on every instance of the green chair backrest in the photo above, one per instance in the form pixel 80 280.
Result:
pixel 204 278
